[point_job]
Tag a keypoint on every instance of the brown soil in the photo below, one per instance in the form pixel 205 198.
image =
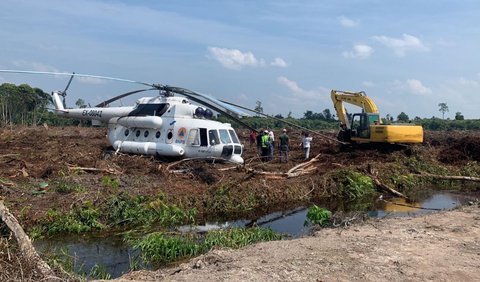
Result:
pixel 30 156
pixel 443 246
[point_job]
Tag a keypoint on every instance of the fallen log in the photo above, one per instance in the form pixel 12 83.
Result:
pixel 94 169
pixel 373 175
pixel 449 177
pixel 24 243
pixel 303 165
pixel 386 188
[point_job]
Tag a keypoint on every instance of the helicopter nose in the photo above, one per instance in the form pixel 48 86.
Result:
pixel 236 159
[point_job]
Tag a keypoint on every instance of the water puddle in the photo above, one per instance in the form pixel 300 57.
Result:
pixel 117 258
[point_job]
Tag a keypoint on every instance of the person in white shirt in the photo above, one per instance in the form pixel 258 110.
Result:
pixel 306 140
pixel 272 143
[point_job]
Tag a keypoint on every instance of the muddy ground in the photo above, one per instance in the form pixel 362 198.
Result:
pixel 33 157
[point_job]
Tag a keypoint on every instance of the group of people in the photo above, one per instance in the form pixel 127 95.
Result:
pixel 265 141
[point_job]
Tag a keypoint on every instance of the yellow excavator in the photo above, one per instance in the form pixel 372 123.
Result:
pixel 367 127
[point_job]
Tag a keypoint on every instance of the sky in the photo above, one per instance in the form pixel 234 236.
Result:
pixel 408 56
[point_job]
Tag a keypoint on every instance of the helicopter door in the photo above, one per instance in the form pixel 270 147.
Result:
pixel 203 137
pixel 193 138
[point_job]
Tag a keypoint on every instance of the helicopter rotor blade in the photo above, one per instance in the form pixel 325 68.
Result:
pixel 287 122
pixel 81 75
pixel 111 100
pixel 69 82
pixel 206 99
pixel 219 110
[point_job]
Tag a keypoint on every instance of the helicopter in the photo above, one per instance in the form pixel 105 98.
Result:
pixel 166 125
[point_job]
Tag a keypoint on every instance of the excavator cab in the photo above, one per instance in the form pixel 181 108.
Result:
pixel 360 125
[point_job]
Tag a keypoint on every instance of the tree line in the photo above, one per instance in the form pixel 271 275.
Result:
pixel 26 105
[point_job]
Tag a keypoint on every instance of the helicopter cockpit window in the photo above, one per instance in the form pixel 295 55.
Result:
pixel 224 137
pixel 213 136
pixel 193 137
pixel 150 109
pixel 145 134
pixel 234 136
pixel 137 133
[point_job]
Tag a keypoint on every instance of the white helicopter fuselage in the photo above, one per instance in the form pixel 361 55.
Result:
pixel 163 126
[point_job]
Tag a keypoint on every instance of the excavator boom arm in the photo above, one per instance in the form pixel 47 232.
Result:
pixel 359 99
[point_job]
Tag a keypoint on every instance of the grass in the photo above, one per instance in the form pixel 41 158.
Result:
pixel 118 211
pixel 160 248
pixel 318 216
pixel 352 185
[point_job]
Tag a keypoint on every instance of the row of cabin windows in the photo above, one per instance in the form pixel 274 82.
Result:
pixel 145 134
pixel 198 136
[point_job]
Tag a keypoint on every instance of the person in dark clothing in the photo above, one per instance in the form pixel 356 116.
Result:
pixel 283 146
pixel 259 142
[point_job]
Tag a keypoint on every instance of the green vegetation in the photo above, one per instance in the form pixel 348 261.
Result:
pixel 60 259
pixel 160 248
pixel 239 237
pixel 352 185
pixel 117 211
pixel 318 216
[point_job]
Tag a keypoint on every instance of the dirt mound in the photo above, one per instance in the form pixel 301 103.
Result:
pixel 463 150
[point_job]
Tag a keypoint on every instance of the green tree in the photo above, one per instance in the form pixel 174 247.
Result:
pixel 308 115
pixel 403 117
pixel 459 116
pixel 443 109
pixel 259 107
pixel 327 114
pixel 81 103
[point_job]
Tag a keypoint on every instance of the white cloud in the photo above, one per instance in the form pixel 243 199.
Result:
pixel 416 87
pixel 346 22
pixel 279 62
pixel 360 51
pixel 401 45
pixel 298 92
pixel 470 82
pixel 368 84
pixel 235 59
pixel 34 66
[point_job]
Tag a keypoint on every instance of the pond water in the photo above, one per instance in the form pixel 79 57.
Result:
pixel 117 258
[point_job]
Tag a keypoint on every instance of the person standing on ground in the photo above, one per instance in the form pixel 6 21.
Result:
pixel 259 142
pixel 283 146
pixel 272 143
pixel 265 146
pixel 306 145
pixel 253 137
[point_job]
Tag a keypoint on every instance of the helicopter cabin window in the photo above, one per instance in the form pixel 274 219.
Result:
pixel 157 135
pixel 213 136
pixel 224 137
pixel 169 136
pixel 137 133
pixel 193 137
pixel 234 136
pixel 145 134
pixel 150 109
pixel 203 137
pixel 127 132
